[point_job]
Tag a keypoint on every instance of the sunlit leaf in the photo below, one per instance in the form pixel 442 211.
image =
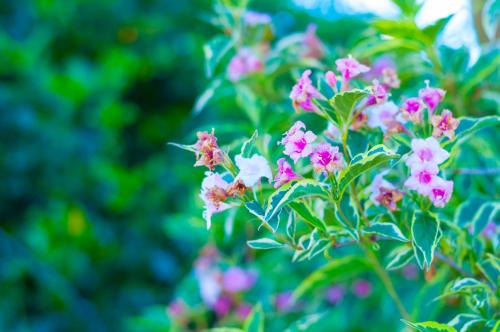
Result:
pixel 255 321
pixel 430 326
pixel 387 230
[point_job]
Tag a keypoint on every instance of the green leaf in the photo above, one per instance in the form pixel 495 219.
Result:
pixel 486 214
pixel 465 283
pixel 468 126
pixel 362 163
pixel 291 192
pixel 466 211
pixel 386 229
pixel 309 217
pixel 402 29
pixel 334 271
pixel 206 96
pixel 425 238
pixel 343 104
pixel 347 214
pixel 485 66
pixel 399 257
pixel 433 30
pixel 490 267
pixel 214 51
pixel 248 147
pixel 408 8
pixel 304 323
pixel 189 148
pixel 464 322
pixel 249 102
pixel 255 321
pixel 264 244
pixel 224 329
pixel 430 326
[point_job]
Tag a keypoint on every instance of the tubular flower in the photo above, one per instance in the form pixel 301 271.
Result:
pixel 412 109
pixel 422 176
pixel 314 47
pixel 426 150
pixel 297 141
pixel 431 96
pixel 379 94
pixel 303 92
pixel 207 151
pixel 213 193
pixel 243 63
pixel 350 68
pixel 331 79
pixel 440 191
pixel 285 173
pixel 390 78
pixel 444 124
pixel 327 158
pixel 252 169
pixel 379 116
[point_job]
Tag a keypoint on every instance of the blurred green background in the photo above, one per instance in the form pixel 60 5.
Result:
pixel 99 218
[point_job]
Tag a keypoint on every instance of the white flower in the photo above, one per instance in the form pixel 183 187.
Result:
pixel 380 115
pixel 213 193
pixel 426 150
pixel 253 169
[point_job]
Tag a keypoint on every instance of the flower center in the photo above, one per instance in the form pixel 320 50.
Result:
pixel 424 177
pixel 425 154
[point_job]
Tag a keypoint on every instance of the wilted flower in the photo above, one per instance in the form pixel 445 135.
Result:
pixel 444 124
pixel 422 175
pixel 379 94
pixel 362 288
pixel 334 294
pixel 253 169
pixel 390 78
pixel 412 109
pixel 213 193
pixel 303 92
pixel 297 141
pixel 384 193
pixel 222 305
pixel 285 173
pixel 237 188
pixel 327 158
pixel 243 63
pixel 283 301
pixel 331 79
pixel 314 47
pixel 253 18
pixel 236 280
pixel 440 191
pixel 431 96
pixel 426 150
pixel 350 68
pixel 376 184
pixel 207 151
pixel 379 116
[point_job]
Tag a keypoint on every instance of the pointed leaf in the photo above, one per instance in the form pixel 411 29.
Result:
pixel 248 147
pixel 348 216
pixel 399 257
pixel 214 51
pixel 430 326
pixel 465 322
pixel 343 104
pixel 425 238
pixel 255 321
pixel 264 244
pixel 386 229
pixel 486 214
pixel 465 283
pixel 309 217
pixel 468 126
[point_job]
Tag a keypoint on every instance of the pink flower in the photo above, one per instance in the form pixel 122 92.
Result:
pixel 431 96
pixel 236 280
pixel 362 288
pixel 335 294
pixel 331 79
pixel 390 78
pixel 176 308
pixel 312 44
pixel 303 92
pixel 207 151
pixel 426 150
pixel 412 109
pixel 379 94
pixel 444 124
pixel 222 305
pixel 378 67
pixel 422 176
pixel 243 311
pixel 327 158
pixel 243 63
pixel 213 193
pixel 440 191
pixel 285 173
pixel 253 18
pixel 350 68
pixel 283 301
pixel 380 116
pixel 297 141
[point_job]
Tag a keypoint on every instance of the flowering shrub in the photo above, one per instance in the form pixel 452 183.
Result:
pixel 376 177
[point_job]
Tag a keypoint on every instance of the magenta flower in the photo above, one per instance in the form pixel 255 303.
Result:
pixel 444 124
pixel 378 67
pixel 380 116
pixel 236 280
pixel 431 96
pixel 412 109
pixel 313 46
pixel 253 18
pixel 327 158
pixel 285 173
pixel 350 68
pixel 334 294
pixel 422 176
pixel 222 305
pixel 426 150
pixel 362 288
pixel 379 94
pixel 303 92
pixel 213 193
pixel 331 79
pixel 243 311
pixel 176 308
pixel 440 191
pixel 283 301
pixel 243 63
pixel 297 141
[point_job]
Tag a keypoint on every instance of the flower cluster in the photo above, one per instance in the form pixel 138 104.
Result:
pixel 244 63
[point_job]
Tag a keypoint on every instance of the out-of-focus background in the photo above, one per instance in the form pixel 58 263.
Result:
pixel 99 218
